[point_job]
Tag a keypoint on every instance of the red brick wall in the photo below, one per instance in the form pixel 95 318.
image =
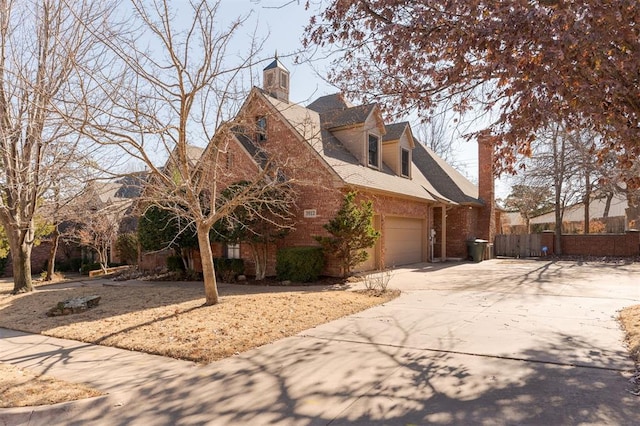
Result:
pixel 596 244
pixel 436 224
pixel 486 190
pixel 40 257
pixel 462 223
pixel 317 188
pixel 320 190
pixel 315 185
pixel 156 261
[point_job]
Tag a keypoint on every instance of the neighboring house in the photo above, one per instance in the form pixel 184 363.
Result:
pixel 114 199
pixel 573 217
pixel 513 223
pixel 331 147
pixel 115 196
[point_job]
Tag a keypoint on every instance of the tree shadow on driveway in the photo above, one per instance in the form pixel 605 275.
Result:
pixel 309 381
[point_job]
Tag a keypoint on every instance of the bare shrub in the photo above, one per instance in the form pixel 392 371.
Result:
pixel 378 281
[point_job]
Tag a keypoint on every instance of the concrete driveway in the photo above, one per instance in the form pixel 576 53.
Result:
pixel 499 342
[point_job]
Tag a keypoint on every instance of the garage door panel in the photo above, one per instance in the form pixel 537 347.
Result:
pixel 403 241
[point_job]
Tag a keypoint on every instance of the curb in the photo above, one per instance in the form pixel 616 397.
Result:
pixel 64 412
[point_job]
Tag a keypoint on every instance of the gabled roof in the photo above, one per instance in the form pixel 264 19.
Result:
pixel 329 103
pixel 344 118
pixel 446 179
pixel 395 131
pixel 194 153
pixel 131 185
pixel 275 64
pixel 309 125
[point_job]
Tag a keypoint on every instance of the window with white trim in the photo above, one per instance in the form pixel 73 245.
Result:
pixel 233 251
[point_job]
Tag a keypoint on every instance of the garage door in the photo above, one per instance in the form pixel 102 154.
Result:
pixel 403 241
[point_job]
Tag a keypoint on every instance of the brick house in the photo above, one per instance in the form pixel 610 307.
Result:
pixel 116 196
pixel 331 147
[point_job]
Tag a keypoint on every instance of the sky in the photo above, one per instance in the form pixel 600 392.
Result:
pixel 281 24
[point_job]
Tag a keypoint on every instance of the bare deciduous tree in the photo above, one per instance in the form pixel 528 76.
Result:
pixel 99 230
pixel 435 135
pixel 554 164
pixel 180 92
pixel 529 201
pixel 45 54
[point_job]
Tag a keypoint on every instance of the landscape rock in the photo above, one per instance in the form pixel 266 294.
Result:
pixel 74 306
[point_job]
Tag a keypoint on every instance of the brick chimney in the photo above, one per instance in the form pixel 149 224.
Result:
pixel 486 189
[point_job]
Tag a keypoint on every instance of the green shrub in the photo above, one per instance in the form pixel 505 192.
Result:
pixel 228 269
pixel 175 264
pixel 90 266
pixel 127 247
pixel 301 264
pixel 3 264
pixel 70 265
pixel 75 264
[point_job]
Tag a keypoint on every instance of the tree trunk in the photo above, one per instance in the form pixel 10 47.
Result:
pixel 587 219
pixel 183 253
pixel 558 237
pixel 208 270
pixel 21 258
pixel 103 260
pixel 558 170
pixel 587 201
pixel 260 251
pixel 607 205
pixel 51 265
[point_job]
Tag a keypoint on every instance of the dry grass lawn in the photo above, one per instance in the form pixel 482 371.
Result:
pixel 22 388
pixel 630 319
pixel 169 319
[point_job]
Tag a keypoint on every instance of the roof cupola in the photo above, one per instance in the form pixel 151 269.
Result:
pixel 275 80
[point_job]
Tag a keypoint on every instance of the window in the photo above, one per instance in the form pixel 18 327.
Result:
pixel 269 79
pixel 405 162
pixel 261 129
pixel 284 80
pixel 233 251
pixel 374 144
pixel 229 160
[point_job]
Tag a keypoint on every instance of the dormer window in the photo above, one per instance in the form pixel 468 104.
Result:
pixel 261 129
pixel 374 150
pixel 405 161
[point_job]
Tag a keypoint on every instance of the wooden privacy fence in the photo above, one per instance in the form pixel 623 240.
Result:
pixel 512 245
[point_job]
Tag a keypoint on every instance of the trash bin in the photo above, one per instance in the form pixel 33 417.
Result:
pixel 476 249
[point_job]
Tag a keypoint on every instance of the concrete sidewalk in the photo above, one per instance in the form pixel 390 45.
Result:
pixel 499 342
